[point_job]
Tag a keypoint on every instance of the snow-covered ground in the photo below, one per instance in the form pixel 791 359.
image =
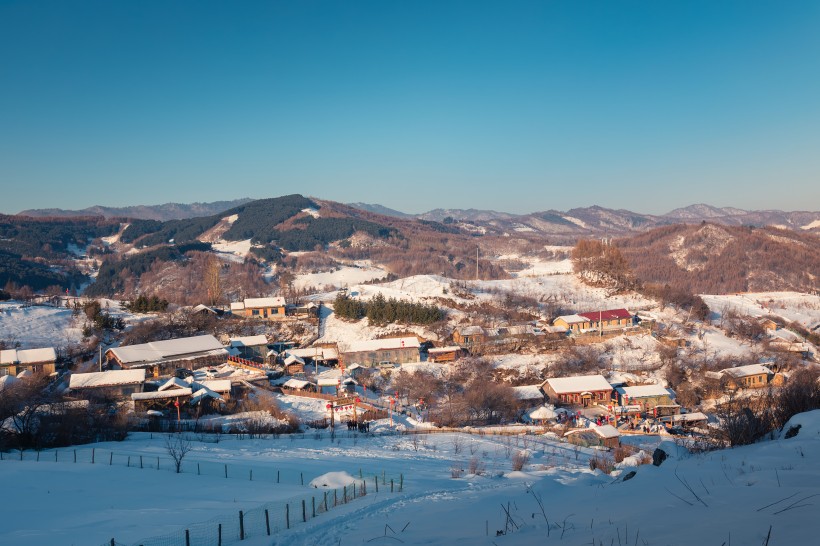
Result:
pixel 791 306
pixel 341 277
pixel 745 493
pixel 38 326
pixel 233 251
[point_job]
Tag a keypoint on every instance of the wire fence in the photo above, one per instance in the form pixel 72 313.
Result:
pixel 269 519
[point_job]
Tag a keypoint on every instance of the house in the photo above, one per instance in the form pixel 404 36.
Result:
pixel 444 354
pixel 35 361
pixel 324 355
pixel 528 395
pixel 116 383
pixel 249 347
pixel 466 336
pixel 265 308
pixel 611 319
pixel 586 390
pixel 173 394
pixel 646 396
pixel 222 387
pixel 294 365
pixel 307 310
pixel 162 357
pixel 602 436
pixel 751 376
pixel 687 420
pixel 207 310
pixel 298 385
pixel 371 353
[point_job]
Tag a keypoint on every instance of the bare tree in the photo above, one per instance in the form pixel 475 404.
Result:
pixel 213 283
pixel 178 446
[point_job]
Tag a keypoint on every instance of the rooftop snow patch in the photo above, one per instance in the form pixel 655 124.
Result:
pixel 642 391
pixel 382 344
pixel 106 379
pixel 249 341
pixel 167 349
pixel 579 384
pixel 27 356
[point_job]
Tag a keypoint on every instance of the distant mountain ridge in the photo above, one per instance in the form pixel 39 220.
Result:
pixel 162 213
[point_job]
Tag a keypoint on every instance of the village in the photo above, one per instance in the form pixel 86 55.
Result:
pixel 634 374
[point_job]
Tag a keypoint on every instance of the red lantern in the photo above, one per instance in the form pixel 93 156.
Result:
pixel 328 406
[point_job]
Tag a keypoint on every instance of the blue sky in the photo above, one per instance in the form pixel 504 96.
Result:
pixel 513 106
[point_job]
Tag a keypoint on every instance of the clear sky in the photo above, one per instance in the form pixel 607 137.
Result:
pixel 514 106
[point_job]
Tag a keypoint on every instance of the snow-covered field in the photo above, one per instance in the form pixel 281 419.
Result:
pixel 340 278
pixel 38 326
pixel 744 493
pixel 791 306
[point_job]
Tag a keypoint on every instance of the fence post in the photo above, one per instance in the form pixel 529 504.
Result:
pixel 302 478
pixel 376 479
pixel 129 461
pixel 219 535
pixel 226 470
pixel 344 494
pixel 55 456
pixel 287 516
pixel 187 537
pixel 325 501
pixel 384 479
pixel 197 469
pixel 304 513
pixel 335 497
pixel 92 455
pixel 111 459
pixel 277 476
pixel 313 507
pixel 401 482
pixel 251 479
pixel 267 521
pixel 354 490
pixel 157 463
pixel 38 456
pixel 113 542
pixel 241 525
pixel 75 455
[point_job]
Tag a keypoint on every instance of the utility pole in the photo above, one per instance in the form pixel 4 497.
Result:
pixel 476 262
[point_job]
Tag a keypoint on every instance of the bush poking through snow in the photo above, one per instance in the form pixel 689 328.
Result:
pixel 519 460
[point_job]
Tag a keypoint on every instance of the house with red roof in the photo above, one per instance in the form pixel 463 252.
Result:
pixel 611 319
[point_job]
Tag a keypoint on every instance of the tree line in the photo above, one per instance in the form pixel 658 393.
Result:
pixel 380 310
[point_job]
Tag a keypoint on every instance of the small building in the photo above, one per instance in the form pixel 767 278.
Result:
pixel 162 357
pixel 34 361
pixel 466 336
pixel 249 347
pixel 264 308
pixel 450 353
pixel 169 398
pixel 323 355
pixel 586 390
pixel 687 420
pixel 398 350
pixel 646 396
pixel 611 319
pixel 113 383
pixel 752 376
pixel 528 395
pixel 294 365
pixel 602 436
pixel 298 385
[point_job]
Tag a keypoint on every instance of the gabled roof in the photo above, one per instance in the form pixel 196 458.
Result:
pixel 316 353
pixel 216 385
pixel 27 356
pixel 642 391
pixel 606 431
pixel 174 383
pixel 293 358
pixel 746 371
pixel 572 319
pixel 382 344
pixel 578 384
pixel 528 392
pixel 159 395
pixel 258 303
pixel 609 314
pixel 249 341
pixel 106 379
pixel 295 384
pixel 169 349
pixel 470 330
pixel 237 305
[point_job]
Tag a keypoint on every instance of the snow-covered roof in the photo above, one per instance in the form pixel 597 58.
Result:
pixel 237 306
pixel 249 341
pixel 316 353
pixel 27 356
pixel 606 431
pixel 295 384
pixel 106 379
pixel 7 381
pixel 159 395
pixel 470 330
pixel 175 383
pixel 543 413
pixel 169 349
pixel 644 391
pixel 578 384
pixel 382 344
pixel 695 416
pixel 203 393
pixel 259 303
pixel 442 350
pixel 745 371
pixel 528 392
pixel 216 385
pixel 571 319
pixel 201 307
pixel 293 358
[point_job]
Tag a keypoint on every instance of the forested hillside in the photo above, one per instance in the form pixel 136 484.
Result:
pixel 716 259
